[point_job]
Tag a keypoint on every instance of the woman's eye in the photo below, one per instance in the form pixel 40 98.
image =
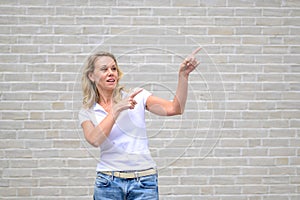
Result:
pixel 114 69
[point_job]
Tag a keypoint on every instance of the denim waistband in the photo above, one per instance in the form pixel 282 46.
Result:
pixel 130 174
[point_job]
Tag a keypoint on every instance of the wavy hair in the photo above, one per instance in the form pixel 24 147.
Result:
pixel 91 94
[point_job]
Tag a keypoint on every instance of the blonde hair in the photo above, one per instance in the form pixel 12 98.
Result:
pixel 90 92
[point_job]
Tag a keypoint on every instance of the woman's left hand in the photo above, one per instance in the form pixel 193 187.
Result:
pixel 189 64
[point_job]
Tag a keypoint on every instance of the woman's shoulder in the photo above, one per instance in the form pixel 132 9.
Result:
pixel 85 111
pixel 87 114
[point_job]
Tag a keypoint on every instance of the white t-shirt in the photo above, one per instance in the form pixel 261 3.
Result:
pixel 126 147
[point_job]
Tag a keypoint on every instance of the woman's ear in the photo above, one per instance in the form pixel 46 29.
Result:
pixel 91 77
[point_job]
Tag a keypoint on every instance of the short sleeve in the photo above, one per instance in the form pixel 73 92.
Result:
pixel 141 97
pixel 145 94
pixel 86 115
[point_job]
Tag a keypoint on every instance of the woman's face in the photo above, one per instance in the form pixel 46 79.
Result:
pixel 105 74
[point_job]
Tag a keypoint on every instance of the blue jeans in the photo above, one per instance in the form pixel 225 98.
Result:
pixel 114 188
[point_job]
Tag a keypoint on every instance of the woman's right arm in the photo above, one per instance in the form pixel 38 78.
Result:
pixel 96 135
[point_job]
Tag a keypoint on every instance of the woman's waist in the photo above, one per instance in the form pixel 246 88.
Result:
pixel 130 173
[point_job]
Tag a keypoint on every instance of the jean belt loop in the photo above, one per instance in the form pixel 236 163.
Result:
pixel 137 176
pixel 112 175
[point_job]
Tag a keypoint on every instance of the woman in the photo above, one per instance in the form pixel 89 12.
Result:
pixel 114 120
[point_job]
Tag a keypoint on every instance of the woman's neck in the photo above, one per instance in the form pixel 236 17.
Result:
pixel 106 99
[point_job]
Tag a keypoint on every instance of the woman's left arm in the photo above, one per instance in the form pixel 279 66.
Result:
pixel 164 107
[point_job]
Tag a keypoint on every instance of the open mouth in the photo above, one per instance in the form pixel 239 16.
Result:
pixel 111 80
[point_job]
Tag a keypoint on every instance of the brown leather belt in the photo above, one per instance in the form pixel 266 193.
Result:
pixel 130 174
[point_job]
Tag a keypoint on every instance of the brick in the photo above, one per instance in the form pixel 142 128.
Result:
pixel 145 12
pixel 78 191
pixel 181 3
pixel 249 180
pixel 9 192
pixel 221 181
pixel 255 189
pixel 199 21
pixel 226 171
pixel 188 190
pixel 12 10
pixel 46 192
pixel 190 11
pixel 172 21
pixel 217 3
pixel 38 96
pixel 158 3
pixel 113 20
pixel 8 134
pixel 226 191
pixel 282 161
pixel 38 144
pixel 30 124
pixel 46 77
pixel 237 3
pixel 282 189
pixel 254 171
pixel 124 11
pixel 15 172
pixel 282 152
pixel 275 180
pixel 23 182
pixel 281 171
pixel 14 115
pixel 255 152
pixel 254 40
pixel 10 144
pixel 36 115
pixel 8 124
pixel 35 105
pixel 276 12
pixel 40 10
pixel 169 181
pixel 24 192
pixel 66 144
pixel 220 31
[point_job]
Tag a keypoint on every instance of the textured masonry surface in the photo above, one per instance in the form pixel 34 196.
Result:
pixel 239 136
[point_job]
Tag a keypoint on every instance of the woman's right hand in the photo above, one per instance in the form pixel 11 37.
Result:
pixel 127 103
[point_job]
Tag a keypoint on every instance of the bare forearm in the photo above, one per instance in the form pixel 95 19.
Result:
pixel 181 94
pixel 98 134
pixel 186 67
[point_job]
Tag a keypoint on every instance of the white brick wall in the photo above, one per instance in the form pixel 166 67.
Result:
pixel 239 137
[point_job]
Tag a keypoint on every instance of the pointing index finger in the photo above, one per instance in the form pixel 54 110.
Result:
pixel 196 51
pixel 136 92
